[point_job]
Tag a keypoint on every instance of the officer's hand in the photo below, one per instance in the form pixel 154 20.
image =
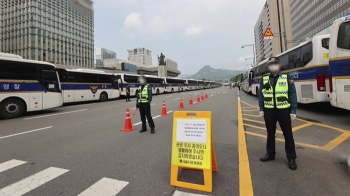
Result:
pixel 261 113
pixel 137 105
pixel 293 116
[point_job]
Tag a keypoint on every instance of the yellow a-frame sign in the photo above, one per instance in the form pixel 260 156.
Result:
pixel 193 148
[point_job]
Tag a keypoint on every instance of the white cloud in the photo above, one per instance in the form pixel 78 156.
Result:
pixel 193 31
pixel 133 24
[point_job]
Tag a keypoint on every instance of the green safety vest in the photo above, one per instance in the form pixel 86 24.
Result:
pixel 143 95
pixel 278 95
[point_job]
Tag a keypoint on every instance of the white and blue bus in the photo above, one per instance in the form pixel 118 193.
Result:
pixel 87 85
pixel 157 83
pixel 174 84
pixel 339 63
pixel 308 64
pixel 27 85
pixel 192 84
pixel 246 81
pixel 125 79
pixel 201 84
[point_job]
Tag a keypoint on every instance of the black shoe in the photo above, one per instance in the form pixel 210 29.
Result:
pixel 143 130
pixel 292 164
pixel 152 131
pixel 266 158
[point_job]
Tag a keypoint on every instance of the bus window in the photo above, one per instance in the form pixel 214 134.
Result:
pixel 18 70
pixel 344 36
pixel 50 81
pixel 325 43
pixel 306 53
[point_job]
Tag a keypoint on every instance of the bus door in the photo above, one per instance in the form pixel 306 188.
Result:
pixel 52 95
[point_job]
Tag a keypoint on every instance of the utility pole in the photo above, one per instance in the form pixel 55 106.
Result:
pixel 284 26
pixel 279 24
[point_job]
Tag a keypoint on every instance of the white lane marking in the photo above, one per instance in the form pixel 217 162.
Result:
pixel 73 106
pixel 170 111
pixel 10 164
pixel 239 98
pixel 137 123
pixel 3 137
pixel 55 114
pixel 169 96
pixel 153 104
pixel 27 184
pixel 211 95
pixel 157 116
pixel 146 120
pixel 105 187
pixel 133 108
pixel 194 102
pixel 179 193
pixel 176 99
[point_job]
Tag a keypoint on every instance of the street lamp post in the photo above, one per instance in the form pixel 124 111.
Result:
pixel 254 61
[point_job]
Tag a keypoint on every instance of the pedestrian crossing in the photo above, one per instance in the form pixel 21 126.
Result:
pixel 103 187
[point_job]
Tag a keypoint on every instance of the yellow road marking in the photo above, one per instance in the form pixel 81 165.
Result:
pixel 250 104
pixel 261 128
pixel 282 140
pixel 245 178
pixel 336 141
pixel 301 126
pixel 256 121
pixel 249 110
pixel 251 115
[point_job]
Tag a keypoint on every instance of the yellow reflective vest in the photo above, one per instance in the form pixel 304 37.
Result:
pixel 143 94
pixel 276 95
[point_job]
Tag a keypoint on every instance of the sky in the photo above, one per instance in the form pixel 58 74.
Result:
pixel 194 33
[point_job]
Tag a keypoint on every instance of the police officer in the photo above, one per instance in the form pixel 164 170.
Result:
pixel 143 102
pixel 127 93
pixel 278 103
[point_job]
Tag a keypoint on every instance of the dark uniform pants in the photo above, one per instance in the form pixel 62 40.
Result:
pixel 282 116
pixel 145 111
pixel 127 97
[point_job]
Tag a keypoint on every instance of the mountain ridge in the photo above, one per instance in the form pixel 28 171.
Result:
pixel 210 73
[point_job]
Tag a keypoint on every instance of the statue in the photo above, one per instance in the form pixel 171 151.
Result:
pixel 161 59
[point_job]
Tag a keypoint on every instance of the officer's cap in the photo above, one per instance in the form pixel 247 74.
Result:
pixel 273 60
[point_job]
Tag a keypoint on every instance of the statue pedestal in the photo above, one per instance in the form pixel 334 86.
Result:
pixel 162 71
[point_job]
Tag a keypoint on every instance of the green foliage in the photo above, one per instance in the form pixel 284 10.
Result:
pixel 237 78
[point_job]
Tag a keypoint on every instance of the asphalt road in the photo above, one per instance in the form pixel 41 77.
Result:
pixel 78 149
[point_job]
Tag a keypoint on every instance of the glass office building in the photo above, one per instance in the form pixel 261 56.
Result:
pixel 309 17
pixel 57 31
pixel 103 54
pixel 128 67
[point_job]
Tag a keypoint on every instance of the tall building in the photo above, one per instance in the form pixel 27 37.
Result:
pixel 61 31
pixel 276 16
pixel 309 17
pixel 103 54
pixel 140 56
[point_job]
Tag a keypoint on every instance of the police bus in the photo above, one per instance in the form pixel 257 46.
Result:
pixel 201 84
pixel 192 84
pixel 125 79
pixel 27 85
pixel 307 63
pixel 246 81
pixel 339 63
pixel 174 84
pixel 157 84
pixel 87 85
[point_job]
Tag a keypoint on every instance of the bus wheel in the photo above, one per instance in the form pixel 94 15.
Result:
pixel 11 108
pixel 172 90
pixel 157 92
pixel 103 96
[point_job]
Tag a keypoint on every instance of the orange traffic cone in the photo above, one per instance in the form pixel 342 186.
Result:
pixel 128 125
pixel 202 96
pixel 164 112
pixel 206 96
pixel 191 101
pixel 199 98
pixel 181 104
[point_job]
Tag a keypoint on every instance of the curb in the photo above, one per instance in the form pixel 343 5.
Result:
pixel 348 164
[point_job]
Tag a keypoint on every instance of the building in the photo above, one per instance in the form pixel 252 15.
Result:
pixel 170 63
pixel 61 32
pixel 103 54
pixel 119 65
pixel 140 56
pixel 310 17
pixel 276 16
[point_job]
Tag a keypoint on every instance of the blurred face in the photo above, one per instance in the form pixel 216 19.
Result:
pixel 275 67
pixel 142 80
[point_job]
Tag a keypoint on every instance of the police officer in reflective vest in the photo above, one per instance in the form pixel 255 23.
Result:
pixel 143 102
pixel 278 103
